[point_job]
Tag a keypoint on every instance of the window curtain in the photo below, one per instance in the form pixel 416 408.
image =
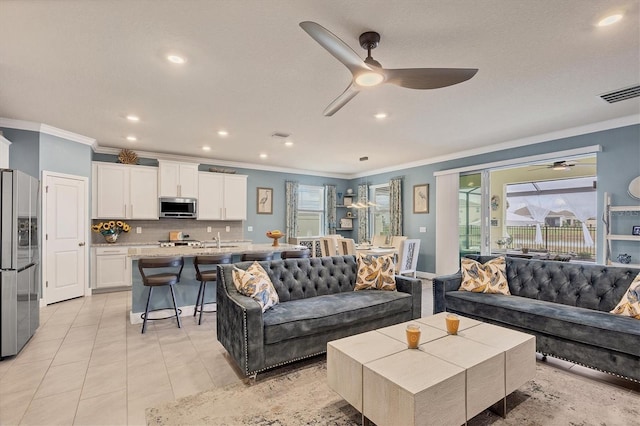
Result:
pixel 330 209
pixel 291 195
pixel 539 208
pixel 395 205
pixel 363 213
pixel 583 207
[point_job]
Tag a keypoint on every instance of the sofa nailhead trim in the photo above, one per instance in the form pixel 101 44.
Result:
pixel 592 368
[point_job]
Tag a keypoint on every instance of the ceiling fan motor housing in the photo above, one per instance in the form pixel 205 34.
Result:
pixel 369 40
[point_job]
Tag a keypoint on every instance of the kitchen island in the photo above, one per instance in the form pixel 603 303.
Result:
pixel 187 289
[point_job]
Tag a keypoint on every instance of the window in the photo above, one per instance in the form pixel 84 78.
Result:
pixel 380 213
pixel 310 210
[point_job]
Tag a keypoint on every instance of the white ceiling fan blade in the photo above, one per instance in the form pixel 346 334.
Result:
pixel 335 46
pixel 341 100
pixel 428 78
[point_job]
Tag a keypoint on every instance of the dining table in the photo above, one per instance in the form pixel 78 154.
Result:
pixel 376 250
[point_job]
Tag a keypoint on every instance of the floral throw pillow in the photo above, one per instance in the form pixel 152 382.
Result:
pixel 256 285
pixel 629 305
pixel 489 277
pixel 375 273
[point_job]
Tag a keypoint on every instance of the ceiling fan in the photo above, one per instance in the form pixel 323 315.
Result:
pixel 369 72
pixel 562 165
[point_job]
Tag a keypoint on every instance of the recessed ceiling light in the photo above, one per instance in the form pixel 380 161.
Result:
pixel 288 143
pixel 609 20
pixel 132 117
pixel 223 133
pixel 206 148
pixel 176 59
pixel 132 138
pixel 263 156
pixel 380 115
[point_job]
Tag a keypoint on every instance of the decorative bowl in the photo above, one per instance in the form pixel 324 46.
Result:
pixel 275 235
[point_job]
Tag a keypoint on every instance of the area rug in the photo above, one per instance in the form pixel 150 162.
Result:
pixel 300 395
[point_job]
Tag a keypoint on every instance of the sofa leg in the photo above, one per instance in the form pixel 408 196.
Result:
pixel 544 358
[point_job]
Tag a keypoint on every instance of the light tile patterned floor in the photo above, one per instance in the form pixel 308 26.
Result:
pixel 87 365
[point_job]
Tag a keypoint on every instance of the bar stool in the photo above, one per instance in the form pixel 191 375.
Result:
pixel 295 254
pixel 158 280
pixel 209 275
pixel 266 255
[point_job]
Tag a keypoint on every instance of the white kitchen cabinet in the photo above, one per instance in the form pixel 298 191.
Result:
pixel 222 196
pixel 123 191
pixel 111 267
pixel 177 179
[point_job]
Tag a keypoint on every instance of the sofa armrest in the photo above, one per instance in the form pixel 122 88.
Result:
pixel 239 323
pixel 441 285
pixel 413 286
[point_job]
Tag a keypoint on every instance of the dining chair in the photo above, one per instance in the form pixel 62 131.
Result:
pixel 396 240
pixel 408 260
pixel 328 246
pixel 379 240
pixel 346 246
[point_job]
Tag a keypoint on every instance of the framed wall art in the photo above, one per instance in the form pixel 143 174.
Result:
pixel 421 198
pixel 264 200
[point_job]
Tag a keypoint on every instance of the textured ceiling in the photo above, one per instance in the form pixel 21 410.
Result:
pixel 82 66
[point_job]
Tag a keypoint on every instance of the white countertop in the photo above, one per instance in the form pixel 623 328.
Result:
pixel 138 252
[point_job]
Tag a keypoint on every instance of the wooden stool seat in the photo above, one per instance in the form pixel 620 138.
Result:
pixel 259 256
pixel 295 254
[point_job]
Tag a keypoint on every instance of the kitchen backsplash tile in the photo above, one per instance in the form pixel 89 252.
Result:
pixel 156 230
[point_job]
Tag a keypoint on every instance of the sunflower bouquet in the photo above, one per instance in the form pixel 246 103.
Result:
pixel 111 229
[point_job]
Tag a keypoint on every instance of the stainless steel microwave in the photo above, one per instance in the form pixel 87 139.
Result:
pixel 178 208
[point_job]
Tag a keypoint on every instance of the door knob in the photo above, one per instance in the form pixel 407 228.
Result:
pixel 81 244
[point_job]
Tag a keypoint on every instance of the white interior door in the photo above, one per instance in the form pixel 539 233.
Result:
pixel 65 260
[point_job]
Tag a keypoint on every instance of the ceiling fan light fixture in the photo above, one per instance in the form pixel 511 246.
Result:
pixel 610 20
pixel 369 79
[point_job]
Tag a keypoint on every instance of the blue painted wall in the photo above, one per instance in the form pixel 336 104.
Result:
pixel 65 156
pixel 23 152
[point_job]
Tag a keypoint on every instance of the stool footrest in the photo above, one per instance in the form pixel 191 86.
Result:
pixel 143 315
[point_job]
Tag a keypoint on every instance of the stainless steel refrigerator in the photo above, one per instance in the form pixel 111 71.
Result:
pixel 19 260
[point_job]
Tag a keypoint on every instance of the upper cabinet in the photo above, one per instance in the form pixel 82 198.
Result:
pixel 124 191
pixel 177 179
pixel 222 196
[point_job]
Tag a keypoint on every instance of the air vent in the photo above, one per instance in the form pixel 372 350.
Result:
pixel 622 94
pixel 280 135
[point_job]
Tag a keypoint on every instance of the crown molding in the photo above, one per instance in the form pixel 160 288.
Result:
pixel 10 123
pixel 216 162
pixel 615 123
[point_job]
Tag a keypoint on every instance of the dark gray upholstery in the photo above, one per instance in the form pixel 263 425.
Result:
pixel 565 305
pixel 317 305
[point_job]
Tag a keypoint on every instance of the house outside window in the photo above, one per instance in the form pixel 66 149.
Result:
pixel 311 210
pixel 380 212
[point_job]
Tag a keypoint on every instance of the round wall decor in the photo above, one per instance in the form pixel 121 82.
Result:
pixel 127 156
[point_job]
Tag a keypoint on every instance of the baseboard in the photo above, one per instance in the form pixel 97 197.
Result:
pixel 187 311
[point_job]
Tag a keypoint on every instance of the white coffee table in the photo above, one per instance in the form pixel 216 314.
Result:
pixel 448 380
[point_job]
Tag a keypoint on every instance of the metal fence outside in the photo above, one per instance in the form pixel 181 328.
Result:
pixel 564 239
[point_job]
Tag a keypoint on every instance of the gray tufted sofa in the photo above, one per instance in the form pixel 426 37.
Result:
pixel 565 305
pixel 317 305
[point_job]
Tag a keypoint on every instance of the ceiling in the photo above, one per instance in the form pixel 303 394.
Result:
pixel 82 66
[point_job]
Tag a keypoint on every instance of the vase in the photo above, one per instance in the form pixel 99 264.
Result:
pixel 111 238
